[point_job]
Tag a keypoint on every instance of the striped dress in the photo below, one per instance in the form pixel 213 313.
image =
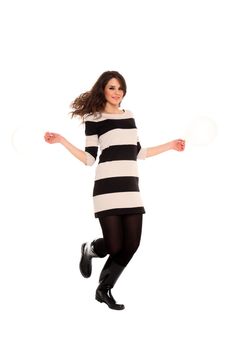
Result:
pixel 116 190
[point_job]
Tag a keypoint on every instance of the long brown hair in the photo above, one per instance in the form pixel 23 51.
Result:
pixel 93 101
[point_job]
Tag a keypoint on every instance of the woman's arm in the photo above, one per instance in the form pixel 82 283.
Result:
pixel 177 145
pixel 56 138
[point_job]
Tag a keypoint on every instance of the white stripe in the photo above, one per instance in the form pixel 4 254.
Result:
pixel 117 200
pixel 116 168
pixel 104 116
pixel 92 141
pixel 118 137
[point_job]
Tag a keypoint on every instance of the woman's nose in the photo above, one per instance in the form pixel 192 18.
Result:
pixel 118 93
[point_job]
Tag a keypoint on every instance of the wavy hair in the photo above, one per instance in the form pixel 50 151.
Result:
pixel 93 101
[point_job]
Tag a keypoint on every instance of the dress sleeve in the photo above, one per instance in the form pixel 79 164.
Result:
pixel 91 147
pixel 141 151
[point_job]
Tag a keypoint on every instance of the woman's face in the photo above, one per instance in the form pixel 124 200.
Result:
pixel 113 92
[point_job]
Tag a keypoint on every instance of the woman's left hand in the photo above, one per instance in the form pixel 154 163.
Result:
pixel 178 145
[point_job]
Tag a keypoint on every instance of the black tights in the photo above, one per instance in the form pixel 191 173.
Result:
pixel 122 235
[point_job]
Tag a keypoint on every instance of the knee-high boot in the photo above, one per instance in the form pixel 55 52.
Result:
pixel 108 277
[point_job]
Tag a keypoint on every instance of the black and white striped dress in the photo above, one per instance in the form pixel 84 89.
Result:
pixel 116 190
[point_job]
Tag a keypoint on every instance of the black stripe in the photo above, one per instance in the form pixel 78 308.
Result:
pixel 138 146
pixel 120 211
pixel 111 124
pixel 92 150
pixel 116 184
pixel 91 128
pixel 100 128
pixel 119 152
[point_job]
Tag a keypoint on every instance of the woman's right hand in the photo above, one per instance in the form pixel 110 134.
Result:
pixel 52 137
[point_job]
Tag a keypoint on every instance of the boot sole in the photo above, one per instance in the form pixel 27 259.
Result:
pixel 110 307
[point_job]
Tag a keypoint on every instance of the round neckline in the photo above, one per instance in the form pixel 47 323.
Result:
pixel 106 113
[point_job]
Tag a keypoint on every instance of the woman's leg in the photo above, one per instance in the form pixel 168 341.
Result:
pixel 113 235
pixel 122 236
pixel 110 244
pixel 99 247
pixel 132 230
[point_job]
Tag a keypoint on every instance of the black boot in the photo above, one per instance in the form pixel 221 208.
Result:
pixel 108 277
pixel 87 253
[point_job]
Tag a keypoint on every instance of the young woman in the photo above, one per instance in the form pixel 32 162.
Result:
pixel 117 201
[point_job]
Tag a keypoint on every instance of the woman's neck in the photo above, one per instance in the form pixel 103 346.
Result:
pixel 112 110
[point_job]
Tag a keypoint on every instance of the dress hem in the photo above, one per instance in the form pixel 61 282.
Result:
pixel 120 211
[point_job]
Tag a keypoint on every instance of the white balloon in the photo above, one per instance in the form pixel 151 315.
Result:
pixel 27 139
pixel 201 131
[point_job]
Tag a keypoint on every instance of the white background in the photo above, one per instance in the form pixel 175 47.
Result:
pixel 177 59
